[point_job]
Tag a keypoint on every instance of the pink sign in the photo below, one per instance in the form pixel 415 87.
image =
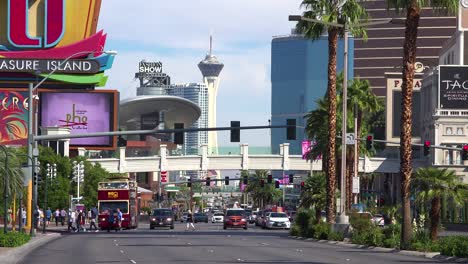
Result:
pixel 305 148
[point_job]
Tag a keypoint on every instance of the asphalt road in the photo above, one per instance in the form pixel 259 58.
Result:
pixel 208 244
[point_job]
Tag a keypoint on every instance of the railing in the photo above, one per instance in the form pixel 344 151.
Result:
pixel 441 112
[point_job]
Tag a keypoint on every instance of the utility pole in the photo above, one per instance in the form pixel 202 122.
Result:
pixel 343 218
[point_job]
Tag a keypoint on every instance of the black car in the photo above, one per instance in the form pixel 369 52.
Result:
pixel 198 217
pixel 162 217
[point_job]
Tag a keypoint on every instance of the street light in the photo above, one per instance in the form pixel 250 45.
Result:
pixel 78 176
pixel 32 143
pixel 52 174
pixel 342 218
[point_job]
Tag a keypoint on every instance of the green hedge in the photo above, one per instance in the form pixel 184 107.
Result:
pixel 13 239
pixel 456 246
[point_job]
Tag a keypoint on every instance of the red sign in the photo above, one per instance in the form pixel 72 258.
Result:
pixel 163 176
pixel 113 195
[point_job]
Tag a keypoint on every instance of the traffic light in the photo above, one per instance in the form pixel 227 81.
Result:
pixel 291 178
pixel 37 178
pixel 427 148
pixel 207 181
pixel 226 180
pixel 245 179
pixel 179 136
pixel 269 178
pixel 369 142
pixel 121 142
pixel 277 184
pixel 235 131
pixel 302 185
pixel 465 152
pixel 291 129
pixel 189 182
pixel 262 183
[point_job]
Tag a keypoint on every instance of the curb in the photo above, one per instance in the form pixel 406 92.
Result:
pixel 430 255
pixel 15 255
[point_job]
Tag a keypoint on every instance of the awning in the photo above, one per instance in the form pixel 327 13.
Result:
pixel 143 190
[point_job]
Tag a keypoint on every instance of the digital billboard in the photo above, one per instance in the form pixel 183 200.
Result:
pixel 83 112
pixel 453 87
pixel 13 117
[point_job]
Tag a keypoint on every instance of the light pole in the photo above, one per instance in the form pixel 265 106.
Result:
pixel 33 127
pixel 5 190
pixel 342 218
pixel 78 172
pixel 51 173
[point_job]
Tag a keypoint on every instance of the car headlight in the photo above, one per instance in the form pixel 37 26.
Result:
pixel 169 219
pixel 103 219
pixel 123 219
pixel 243 219
pixel 153 219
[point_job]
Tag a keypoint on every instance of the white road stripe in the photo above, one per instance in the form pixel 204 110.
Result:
pixel 121 251
pixel 132 261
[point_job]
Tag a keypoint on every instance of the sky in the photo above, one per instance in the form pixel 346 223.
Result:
pixel 177 34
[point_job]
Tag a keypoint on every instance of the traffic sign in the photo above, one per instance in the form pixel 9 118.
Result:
pixel 356 184
pixel 350 139
pixel 163 176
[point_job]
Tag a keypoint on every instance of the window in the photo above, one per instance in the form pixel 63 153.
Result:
pixel 448 131
pixel 459 130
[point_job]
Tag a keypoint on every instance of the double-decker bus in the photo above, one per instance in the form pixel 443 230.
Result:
pixel 121 194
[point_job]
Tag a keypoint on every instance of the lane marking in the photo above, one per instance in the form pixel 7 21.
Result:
pixel 132 261
pixel 121 251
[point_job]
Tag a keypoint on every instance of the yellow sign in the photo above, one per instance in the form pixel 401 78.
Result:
pixel 113 195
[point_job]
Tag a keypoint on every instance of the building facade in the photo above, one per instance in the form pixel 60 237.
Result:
pixel 197 93
pixel 382 51
pixel 298 78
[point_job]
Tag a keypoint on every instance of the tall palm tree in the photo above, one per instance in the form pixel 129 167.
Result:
pixel 14 173
pixel 431 184
pixel 265 195
pixel 331 11
pixel 314 194
pixel 413 13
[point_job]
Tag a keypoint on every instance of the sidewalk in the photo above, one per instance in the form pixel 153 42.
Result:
pixel 15 255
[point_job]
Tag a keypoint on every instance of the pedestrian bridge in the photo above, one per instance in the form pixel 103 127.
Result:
pixel 242 161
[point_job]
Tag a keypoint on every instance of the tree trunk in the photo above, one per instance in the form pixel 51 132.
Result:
pixel 435 217
pixel 331 90
pixel 318 215
pixel 409 58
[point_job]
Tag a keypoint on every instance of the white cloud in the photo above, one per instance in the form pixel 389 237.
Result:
pixel 179 34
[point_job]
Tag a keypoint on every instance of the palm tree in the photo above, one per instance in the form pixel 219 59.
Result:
pixel 413 12
pixel 331 12
pixel 15 175
pixel 261 196
pixel 314 194
pixel 431 184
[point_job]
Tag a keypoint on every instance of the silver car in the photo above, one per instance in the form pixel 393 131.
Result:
pixel 217 218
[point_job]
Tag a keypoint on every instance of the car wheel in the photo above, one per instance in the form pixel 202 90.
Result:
pixel 245 227
pixel 151 227
pixel 172 227
pixel 224 227
pixel 206 221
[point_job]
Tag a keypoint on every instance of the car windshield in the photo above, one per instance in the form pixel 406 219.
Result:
pixel 235 213
pixel 199 214
pixel 278 215
pixel 218 214
pixel 162 213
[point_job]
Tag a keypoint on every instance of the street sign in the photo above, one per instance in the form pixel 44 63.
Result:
pixel 355 184
pixel 163 176
pixel 350 139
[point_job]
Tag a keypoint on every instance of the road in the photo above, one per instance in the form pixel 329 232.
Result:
pixel 209 244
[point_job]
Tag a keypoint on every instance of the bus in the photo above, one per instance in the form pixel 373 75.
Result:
pixel 120 194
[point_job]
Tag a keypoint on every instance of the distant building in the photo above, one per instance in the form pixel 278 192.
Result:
pixel 298 78
pixel 197 93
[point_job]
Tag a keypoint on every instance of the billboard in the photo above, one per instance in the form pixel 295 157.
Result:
pixel 83 112
pixel 13 117
pixel 453 87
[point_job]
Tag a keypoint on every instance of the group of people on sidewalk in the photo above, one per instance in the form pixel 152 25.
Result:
pixel 78 219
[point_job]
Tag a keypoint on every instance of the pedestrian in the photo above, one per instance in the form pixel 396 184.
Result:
pixel 57 216
pixel 48 216
pixel 190 221
pixel 92 221
pixel 63 214
pixel 23 216
pixel 71 220
pixel 119 218
pixel 9 216
pixel 110 221
pixel 36 217
pixel 79 220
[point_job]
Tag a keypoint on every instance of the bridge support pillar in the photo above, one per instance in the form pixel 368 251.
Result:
pixel 204 157
pixel 122 160
pixel 284 151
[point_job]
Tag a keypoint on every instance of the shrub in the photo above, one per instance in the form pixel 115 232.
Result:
pixel 295 230
pixel 391 235
pixel 453 246
pixel 13 239
pixel 371 236
pixel 303 221
pixel 360 222
pixel 321 231
pixel 336 236
pixel 421 240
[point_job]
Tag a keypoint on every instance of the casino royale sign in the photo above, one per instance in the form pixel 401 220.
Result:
pixel 46 66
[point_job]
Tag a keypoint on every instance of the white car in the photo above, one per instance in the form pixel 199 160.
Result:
pixel 378 220
pixel 277 220
pixel 217 218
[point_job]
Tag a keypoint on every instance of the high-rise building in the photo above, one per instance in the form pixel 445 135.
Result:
pixel 382 51
pixel 298 78
pixel 197 93
pixel 210 68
